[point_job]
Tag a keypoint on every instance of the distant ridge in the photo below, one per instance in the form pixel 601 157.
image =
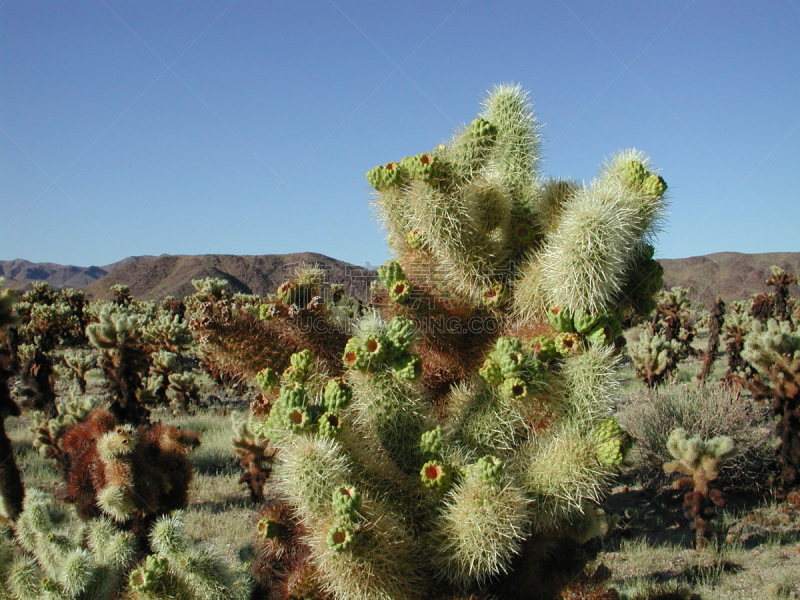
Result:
pixel 154 278
pixel 729 275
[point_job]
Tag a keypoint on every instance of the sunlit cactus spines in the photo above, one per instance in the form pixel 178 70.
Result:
pixel 477 430
pixel 700 460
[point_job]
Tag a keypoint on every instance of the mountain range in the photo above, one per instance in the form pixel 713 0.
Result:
pixel 729 275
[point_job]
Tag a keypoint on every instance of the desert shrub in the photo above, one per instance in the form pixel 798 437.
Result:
pixel 704 411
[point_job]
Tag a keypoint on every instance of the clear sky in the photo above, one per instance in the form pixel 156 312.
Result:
pixel 246 127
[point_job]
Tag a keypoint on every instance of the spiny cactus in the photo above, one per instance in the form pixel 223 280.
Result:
pixel 11 487
pixel 117 335
pixel 178 569
pixel 774 352
pixel 700 460
pixel 781 280
pixel 55 563
pixel 49 431
pixel 654 357
pixel 716 320
pixel 169 333
pixel 474 417
pixel 79 364
pixel 256 456
pixel 129 474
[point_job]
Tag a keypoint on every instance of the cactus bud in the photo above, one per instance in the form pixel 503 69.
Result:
pixel 432 442
pixel 654 185
pixel 407 367
pixel 329 425
pixel 340 538
pixel 337 395
pixel 490 470
pixel 435 476
pixel 400 291
pixel 560 318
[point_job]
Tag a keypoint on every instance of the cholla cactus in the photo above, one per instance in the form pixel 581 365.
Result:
pixel 11 488
pixel 49 431
pixel 56 564
pixel 256 454
pixel 716 320
pixel 122 294
pixel 774 352
pixel 475 422
pixel 700 461
pixel 178 569
pixel 781 280
pixel 654 357
pixel 118 336
pixel 185 391
pixel 79 364
pixel 168 332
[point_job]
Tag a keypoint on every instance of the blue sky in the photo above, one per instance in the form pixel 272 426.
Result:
pixel 246 127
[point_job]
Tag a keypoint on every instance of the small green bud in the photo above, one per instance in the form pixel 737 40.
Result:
pixel 355 356
pixel 435 476
pixel 490 372
pixel 293 397
pixel 654 185
pixel 401 332
pixel 543 348
pixel 513 387
pixel 337 394
pixel 414 239
pixel 634 174
pixel 400 291
pixel 390 272
pixel 407 367
pixel 425 167
pixel 346 502
pixel 432 442
pixel 386 176
pixel 585 322
pixel 297 420
pixel 490 470
pixel 561 319
pixel 302 361
pixel 267 379
pixel 329 425
pixel 340 538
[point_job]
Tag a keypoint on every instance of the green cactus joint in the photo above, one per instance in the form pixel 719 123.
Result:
pixel 561 319
pixel 605 332
pixel 337 395
pixel 390 272
pixel 400 291
pixel 301 361
pixel 293 396
pixel 490 372
pixel 375 349
pixel 346 502
pixel 297 420
pixel 514 387
pixel 511 364
pixel 654 185
pixel 355 356
pixel 543 348
pixel 341 538
pixel 329 424
pixel 634 174
pixel 401 331
pixel 506 345
pixel 414 239
pixel 424 167
pixel 386 176
pixel 267 379
pixel 568 343
pixel 435 476
pixel 288 292
pixel 269 529
pixel 585 322
pixel 482 131
pixel 490 470
pixel 613 443
pixel 495 296
pixel 407 367
pixel 432 442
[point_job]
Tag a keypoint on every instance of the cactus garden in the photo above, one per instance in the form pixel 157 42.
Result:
pixel 501 416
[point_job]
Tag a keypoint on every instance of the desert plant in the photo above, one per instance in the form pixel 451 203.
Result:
pixel 774 351
pixel 654 357
pixel 12 490
pixel 117 335
pixel 185 391
pixel 79 364
pixel 122 294
pixel 781 280
pixel 706 411
pixel 736 325
pixel 700 461
pixel 471 434
pixel 256 456
pixel 169 333
pixel 716 319
pixel 48 431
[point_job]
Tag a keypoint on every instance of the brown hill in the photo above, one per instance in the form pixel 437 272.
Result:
pixel 729 275
pixel 155 278
pixel 20 274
